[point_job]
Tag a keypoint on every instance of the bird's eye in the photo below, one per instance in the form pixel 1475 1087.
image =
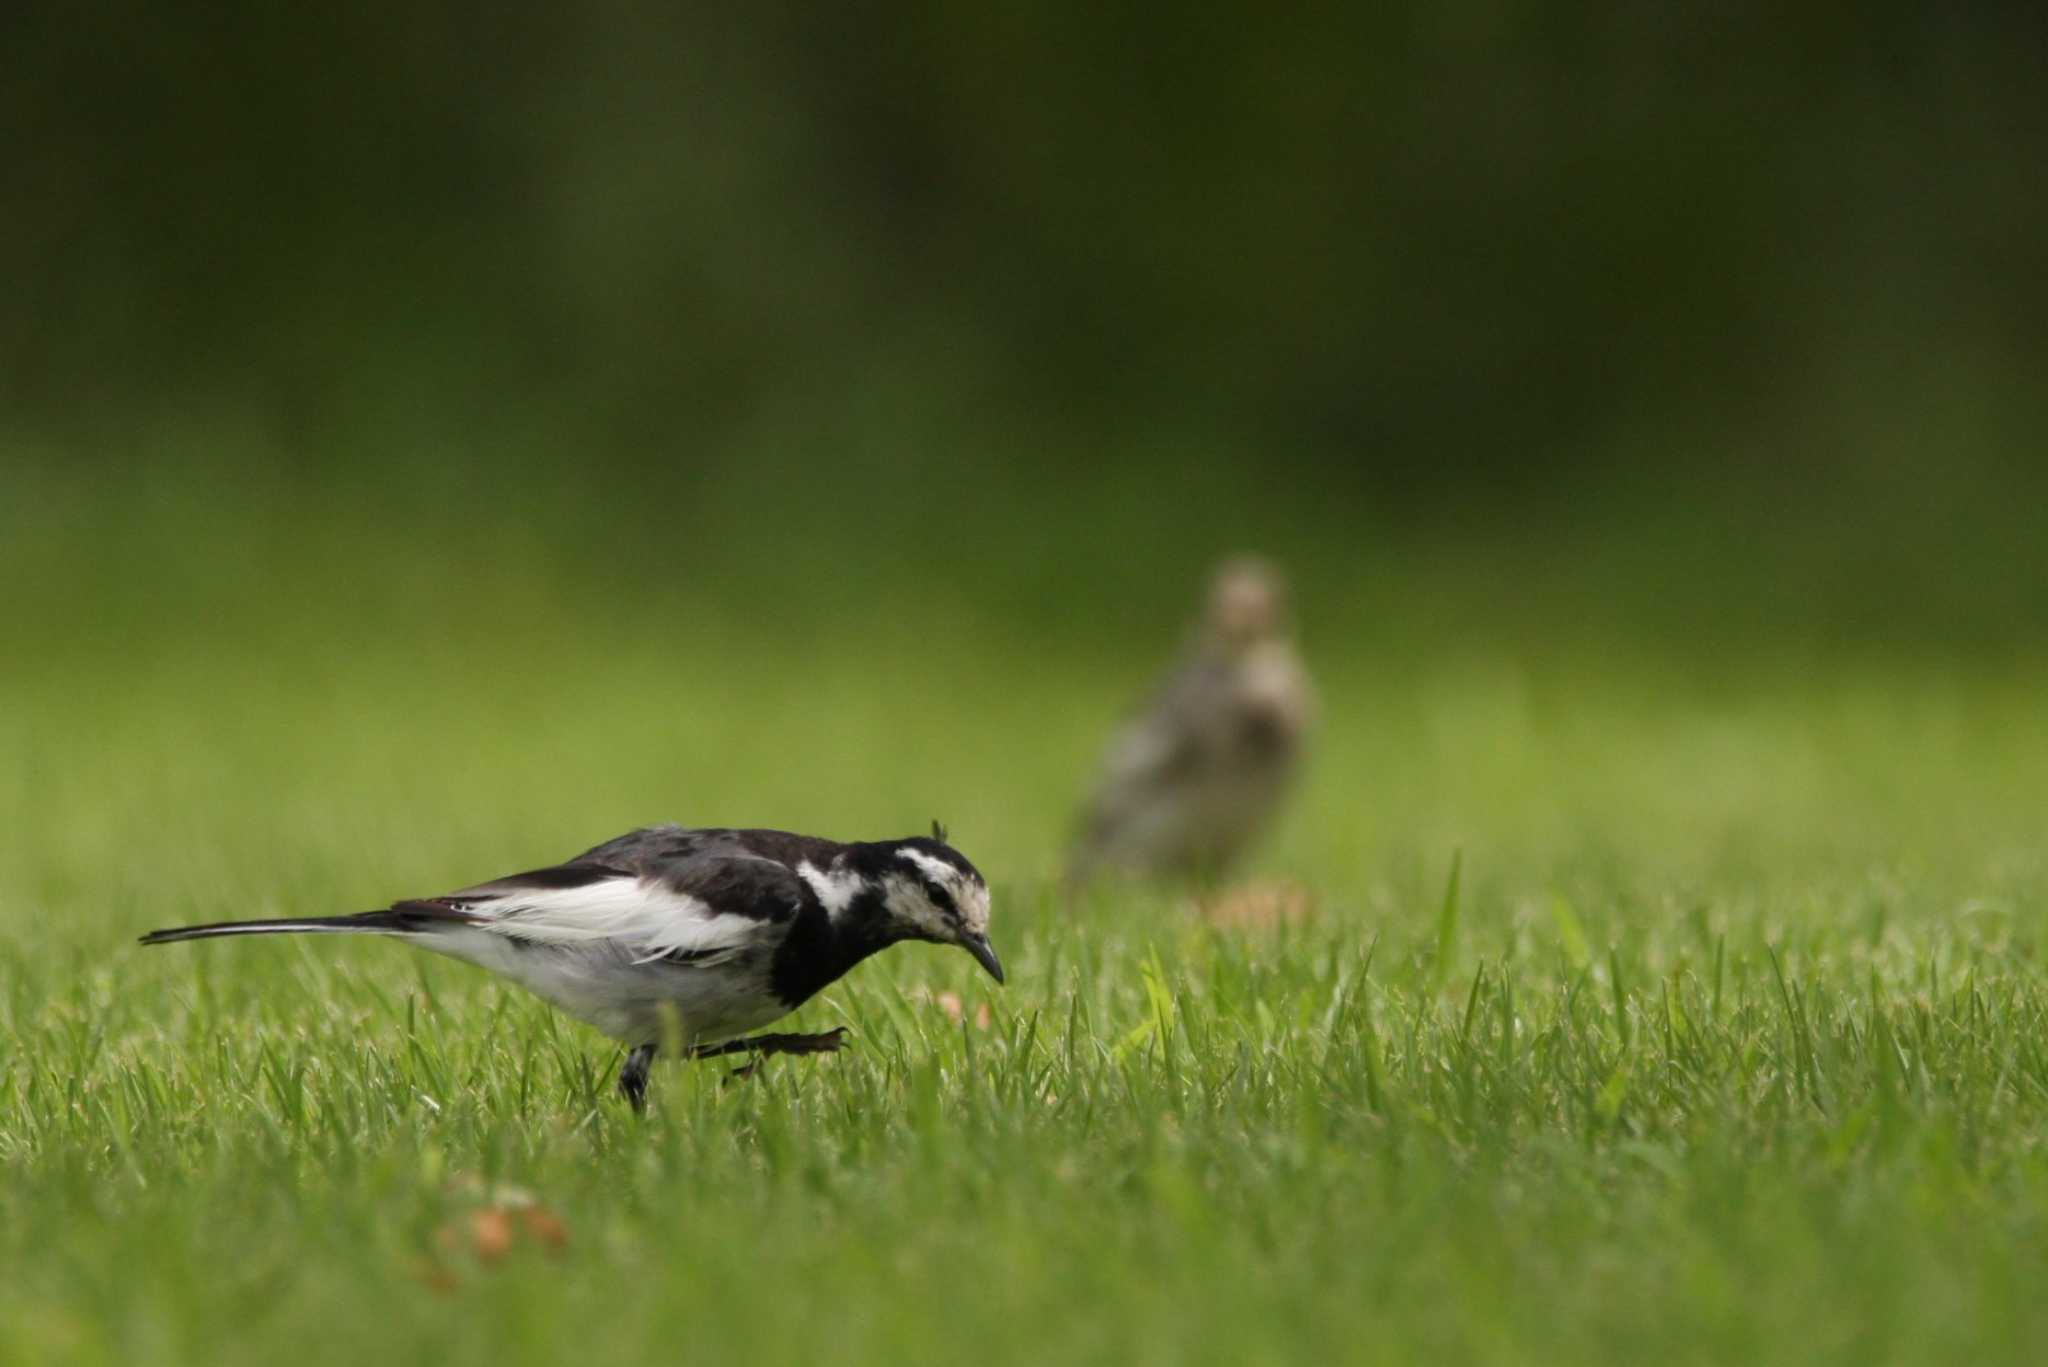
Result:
pixel 941 899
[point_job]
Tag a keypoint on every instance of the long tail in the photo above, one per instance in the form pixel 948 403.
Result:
pixel 367 923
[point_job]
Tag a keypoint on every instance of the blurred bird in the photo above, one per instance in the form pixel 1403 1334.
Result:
pixel 698 935
pixel 1188 783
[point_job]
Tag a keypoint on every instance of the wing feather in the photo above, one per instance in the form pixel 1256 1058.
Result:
pixel 703 911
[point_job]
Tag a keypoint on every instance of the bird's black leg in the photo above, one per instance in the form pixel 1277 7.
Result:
pixel 827 1043
pixel 633 1075
pixel 760 1046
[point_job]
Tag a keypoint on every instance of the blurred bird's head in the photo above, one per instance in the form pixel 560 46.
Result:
pixel 1247 605
pixel 930 892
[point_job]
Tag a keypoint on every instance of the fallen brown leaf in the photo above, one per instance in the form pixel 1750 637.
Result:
pixel 490 1233
pixel 1257 906
pixel 435 1276
pixel 543 1226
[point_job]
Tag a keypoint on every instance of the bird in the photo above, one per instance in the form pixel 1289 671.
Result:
pixel 695 936
pixel 1197 774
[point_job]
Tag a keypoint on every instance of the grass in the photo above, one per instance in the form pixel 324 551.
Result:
pixel 1644 1014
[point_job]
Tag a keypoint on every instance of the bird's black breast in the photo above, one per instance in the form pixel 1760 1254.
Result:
pixel 819 950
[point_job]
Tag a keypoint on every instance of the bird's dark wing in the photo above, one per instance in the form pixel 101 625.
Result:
pixel 663 851
pixel 558 878
pixel 742 885
pixel 636 849
pixel 698 908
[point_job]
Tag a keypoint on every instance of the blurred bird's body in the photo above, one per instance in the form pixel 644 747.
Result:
pixel 1189 783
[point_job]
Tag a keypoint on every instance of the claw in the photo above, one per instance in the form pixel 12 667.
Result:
pixel 827 1043
pixel 633 1075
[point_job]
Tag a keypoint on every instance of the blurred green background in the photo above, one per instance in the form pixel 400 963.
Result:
pixel 1509 327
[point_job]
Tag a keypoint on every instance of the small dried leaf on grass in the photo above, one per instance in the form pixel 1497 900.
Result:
pixel 503 1218
pixel 956 1010
pixel 490 1233
pixel 1257 906
pixel 435 1275
pixel 545 1227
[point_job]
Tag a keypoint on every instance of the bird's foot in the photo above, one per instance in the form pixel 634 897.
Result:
pixel 760 1046
pixel 763 1045
pixel 633 1075
pixel 829 1042
pixel 640 1060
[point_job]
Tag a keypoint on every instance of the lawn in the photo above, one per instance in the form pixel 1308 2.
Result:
pixel 1641 1011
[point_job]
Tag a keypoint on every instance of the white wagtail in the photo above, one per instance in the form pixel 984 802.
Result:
pixel 1189 781
pixel 697 935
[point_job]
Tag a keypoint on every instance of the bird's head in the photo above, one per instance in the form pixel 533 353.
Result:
pixel 1247 605
pixel 930 892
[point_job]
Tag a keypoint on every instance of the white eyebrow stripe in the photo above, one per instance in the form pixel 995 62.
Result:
pixel 938 870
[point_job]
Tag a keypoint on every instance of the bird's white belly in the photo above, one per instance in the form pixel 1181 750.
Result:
pixel 635 1002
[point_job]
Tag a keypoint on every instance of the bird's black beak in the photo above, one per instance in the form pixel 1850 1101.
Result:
pixel 984 954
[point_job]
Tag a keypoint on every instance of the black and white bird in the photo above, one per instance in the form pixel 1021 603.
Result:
pixel 693 935
pixel 1198 773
